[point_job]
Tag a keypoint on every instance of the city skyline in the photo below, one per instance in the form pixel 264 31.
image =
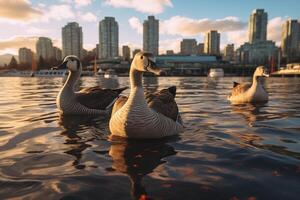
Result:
pixel 231 24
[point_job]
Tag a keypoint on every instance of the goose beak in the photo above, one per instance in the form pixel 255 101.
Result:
pixel 152 67
pixel 266 75
pixel 63 65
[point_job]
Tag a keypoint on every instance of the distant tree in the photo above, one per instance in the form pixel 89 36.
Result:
pixel 13 64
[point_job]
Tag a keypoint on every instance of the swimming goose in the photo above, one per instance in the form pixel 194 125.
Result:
pixel 250 93
pixel 145 116
pixel 90 101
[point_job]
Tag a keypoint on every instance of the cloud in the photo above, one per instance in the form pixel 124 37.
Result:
pixel 17 42
pixel 169 44
pixel 274 29
pixel 145 6
pixel 80 3
pixel 32 30
pixel 88 17
pixel 18 10
pixel 136 24
pixel 184 26
pixel 57 12
pixel 13 44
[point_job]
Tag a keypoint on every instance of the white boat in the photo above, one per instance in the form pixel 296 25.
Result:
pixel 216 72
pixel 110 73
pixel 50 73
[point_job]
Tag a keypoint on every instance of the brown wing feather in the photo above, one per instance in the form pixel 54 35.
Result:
pixel 240 88
pixel 162 101
pixel 119 104
pixel 97 98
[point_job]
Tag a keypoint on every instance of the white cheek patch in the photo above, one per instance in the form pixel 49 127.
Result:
pixel 72 65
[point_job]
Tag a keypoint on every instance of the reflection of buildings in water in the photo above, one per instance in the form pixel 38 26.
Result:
pixel 150 84
pixel 137 159
pixel 75 127
pixel 251 112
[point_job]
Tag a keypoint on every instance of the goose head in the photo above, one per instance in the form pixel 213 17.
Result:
pixel 145 62
pixel 260 71
pixel 72 63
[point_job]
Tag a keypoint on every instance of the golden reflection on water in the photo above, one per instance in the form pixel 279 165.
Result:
pixel 224 147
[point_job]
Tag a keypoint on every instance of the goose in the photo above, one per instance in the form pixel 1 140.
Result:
pixel 250 93
pixel 145 116
pixel 91 101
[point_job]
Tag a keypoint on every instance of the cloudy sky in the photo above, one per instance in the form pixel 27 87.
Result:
pixel 22 21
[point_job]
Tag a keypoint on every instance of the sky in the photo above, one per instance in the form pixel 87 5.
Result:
pixel 23 21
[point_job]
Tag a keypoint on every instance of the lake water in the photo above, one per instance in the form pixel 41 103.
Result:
pixel 226 151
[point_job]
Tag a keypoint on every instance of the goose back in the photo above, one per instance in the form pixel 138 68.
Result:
pixel 98 98
pixel 162 102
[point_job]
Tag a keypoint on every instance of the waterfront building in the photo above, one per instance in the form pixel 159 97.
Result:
pixel 135 52
pixel 257 53
pixel 25 56
pixel 212 43
pixel 57 53
pixel 151 35
pixel 188 47
pixel 108 38
pixel 258 50
pixel 126 52
pixel 200 49
pixel 72 39
pixel 44 48
pixel 258 26
pixel 169 52
pixel 229 52
pixel 290 41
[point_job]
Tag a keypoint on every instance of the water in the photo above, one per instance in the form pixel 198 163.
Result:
pixel 226 151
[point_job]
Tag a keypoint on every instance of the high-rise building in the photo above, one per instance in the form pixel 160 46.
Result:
pixel 108 38
pixel 25 56
pixel 44 48
pixel 212 43
pixel 229 52
pixel 290 41
pixel 72 39
pixel 151 35
pixel 57 53
pixel 200 49
pixel 188 47
pixel 258 26
pixel 258 50
pixel 126 52
pixel 135 52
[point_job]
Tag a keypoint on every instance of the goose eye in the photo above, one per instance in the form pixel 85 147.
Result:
pixel 142 57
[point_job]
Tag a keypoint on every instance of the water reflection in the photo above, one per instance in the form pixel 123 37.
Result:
pixel 77 133
pixel 250 112
pixel 137 159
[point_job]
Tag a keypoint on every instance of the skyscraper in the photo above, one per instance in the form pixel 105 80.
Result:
pixel 108 38
pixel 72 39
pixel 25 56
pixel 229 52
pixel 258 25
pixel 200 49
pixel 151 35
pixel 57 53
pixel 126 53
pixel 188 47
pixel 290 39
pixel 212 43
pixel 44 48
